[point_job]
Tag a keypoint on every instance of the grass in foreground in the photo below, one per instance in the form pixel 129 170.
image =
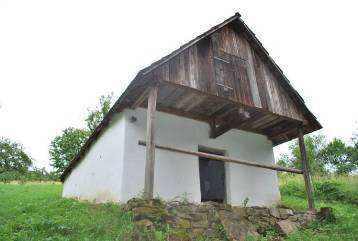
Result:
pixel 340 193
pixel 37 212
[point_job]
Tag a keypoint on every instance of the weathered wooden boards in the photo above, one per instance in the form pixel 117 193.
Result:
pixel 224 158
pixel 227 114
pixel 224 76
pixel 226 65
pixel 305 169
pixel 150 149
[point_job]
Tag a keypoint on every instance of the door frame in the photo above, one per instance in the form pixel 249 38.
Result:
pixel 220 152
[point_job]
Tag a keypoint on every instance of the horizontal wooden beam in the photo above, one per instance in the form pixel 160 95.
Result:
pixel 185 114
pixel 225 159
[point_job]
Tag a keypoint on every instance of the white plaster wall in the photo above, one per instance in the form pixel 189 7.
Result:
pixel 176 174
pixel 98 177
pixel 113 169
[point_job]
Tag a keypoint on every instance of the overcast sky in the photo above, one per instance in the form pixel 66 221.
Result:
pixel 58 57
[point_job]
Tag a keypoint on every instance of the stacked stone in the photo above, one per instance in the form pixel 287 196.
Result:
pixel 188 221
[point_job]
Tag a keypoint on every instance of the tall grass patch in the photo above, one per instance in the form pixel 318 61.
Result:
pixel 330 188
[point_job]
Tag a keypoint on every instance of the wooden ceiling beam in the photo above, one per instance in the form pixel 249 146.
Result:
pixel 218 108
pixel 185 114
pixel 196 102
pixel 217 131
pixel 185 100
pixel 139 101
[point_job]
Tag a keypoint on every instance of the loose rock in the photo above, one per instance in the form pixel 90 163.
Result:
pixel 274 212
pixel 285 212
pixel 286 226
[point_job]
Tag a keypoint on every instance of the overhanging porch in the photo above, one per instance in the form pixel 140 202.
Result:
pixel 222 114
pixel 222 117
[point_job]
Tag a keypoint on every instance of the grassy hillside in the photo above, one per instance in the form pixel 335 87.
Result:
pixel 339 193
pixel 37 212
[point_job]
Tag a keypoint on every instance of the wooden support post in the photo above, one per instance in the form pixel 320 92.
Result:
pixel 150 148
pixel 305 170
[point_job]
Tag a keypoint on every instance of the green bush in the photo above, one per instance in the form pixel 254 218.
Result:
pixel 29 176
pixel 9 176
pixel 331 188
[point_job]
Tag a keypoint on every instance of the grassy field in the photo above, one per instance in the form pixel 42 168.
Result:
pixel 37 212
pixel 339 193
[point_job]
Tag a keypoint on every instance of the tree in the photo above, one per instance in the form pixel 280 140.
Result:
pixel 354 148
pixel 353 153
pixel 334 157
pixel 13 156
pixel 66 146
pixel 95 116
pixel 336 154
pixel 314 145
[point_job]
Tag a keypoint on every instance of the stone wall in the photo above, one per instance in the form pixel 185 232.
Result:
pixel 188 221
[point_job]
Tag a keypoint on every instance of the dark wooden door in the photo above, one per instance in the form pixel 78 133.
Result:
pixel 212 180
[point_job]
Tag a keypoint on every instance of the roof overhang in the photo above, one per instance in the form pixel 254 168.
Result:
pixel 220 113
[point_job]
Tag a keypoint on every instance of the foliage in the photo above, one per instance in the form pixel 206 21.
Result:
pixel 95 116
pixel 353 151
pixel 13 157
pixel 343 189
pixel 314 145
pixel 16 165
pixel 37 212
pixel 34 175
pixel 346 225
pixel 334 157
pixel 65 147
pixel 337 154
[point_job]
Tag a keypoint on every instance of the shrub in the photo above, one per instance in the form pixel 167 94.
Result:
pixel 34 175
pixel 331 188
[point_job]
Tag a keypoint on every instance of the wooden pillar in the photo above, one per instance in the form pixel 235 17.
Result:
pixel 305 170
pixel 150 148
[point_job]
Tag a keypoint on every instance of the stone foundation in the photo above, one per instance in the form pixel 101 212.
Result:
pixel 188 221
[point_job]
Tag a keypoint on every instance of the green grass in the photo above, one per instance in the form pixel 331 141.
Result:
pixel 342 189
pixel 37 212
pixel 344 228
pixel 340 193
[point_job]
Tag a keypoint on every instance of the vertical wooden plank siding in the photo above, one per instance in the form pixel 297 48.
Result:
pixel 150 148
pixel 265 101
pixel 252 77
pixel 206 64
pixel 305 170
pixel 225 64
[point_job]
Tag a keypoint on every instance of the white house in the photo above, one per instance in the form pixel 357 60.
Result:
pixel 201 123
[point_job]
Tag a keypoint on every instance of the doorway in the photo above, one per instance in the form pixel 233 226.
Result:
pixel 212 177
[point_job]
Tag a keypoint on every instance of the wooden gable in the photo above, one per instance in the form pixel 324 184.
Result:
pixel 223 77
pixel 226 65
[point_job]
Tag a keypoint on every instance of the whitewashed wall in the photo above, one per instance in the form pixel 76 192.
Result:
pixel 114 167
pixel 176 174
pixel 98 177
